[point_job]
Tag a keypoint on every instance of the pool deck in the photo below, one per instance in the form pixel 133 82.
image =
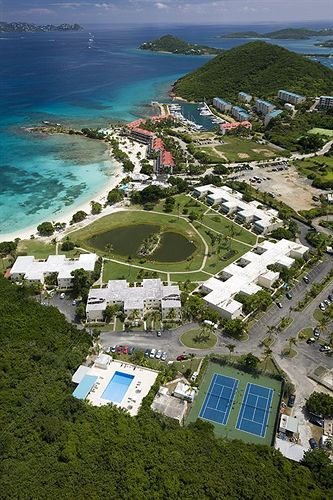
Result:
pixel 141 384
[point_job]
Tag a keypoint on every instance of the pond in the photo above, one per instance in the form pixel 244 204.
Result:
pixel 127 240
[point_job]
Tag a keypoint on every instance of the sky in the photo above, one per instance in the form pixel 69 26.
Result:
pixel 167 11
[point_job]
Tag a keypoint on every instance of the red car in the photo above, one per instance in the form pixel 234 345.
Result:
pixel 125 349
pixel 182 357
pixel 119 349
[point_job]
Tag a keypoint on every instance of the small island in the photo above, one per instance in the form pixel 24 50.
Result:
pixel 18 27
pixel 284 34
pixel 328 44
pixel 173 45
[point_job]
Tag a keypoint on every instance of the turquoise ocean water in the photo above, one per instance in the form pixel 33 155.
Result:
pixel 57 77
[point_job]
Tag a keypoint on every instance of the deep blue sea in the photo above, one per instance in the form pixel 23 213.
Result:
pixel 57 77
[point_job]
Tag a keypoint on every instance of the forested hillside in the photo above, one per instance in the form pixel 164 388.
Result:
pixel 258 68
pixel 54 446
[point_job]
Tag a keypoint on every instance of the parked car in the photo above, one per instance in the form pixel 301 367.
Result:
pixel 279 305
pixel 131 350
pixel 306 279
pixel 313 443
pixel 316 421
pixel 182 357
pixel 158 354
pixel 325 348
pixel 311 340
pixel 158 333
pixel 113 348
pixel 119 349
pixel 62 295
pixel 164 356
pixel 291 400
pixel 322 306
pixel 326 302
pixel 125 349
pixel 330 297
pixel 152 353
pixel 316 332
pixel 147 353
pixel 194 376
pixel 289 295
pixel 74 302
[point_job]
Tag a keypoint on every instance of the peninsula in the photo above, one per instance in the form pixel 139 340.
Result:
pixel 18 27
pixel 173 45
pixel 259 67
pixel 328 44
pixel 283 34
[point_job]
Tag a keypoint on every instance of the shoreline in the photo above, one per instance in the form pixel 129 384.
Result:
pixel 65 217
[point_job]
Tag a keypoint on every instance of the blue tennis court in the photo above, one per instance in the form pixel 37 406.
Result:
pixel 255 410
pixel 219 398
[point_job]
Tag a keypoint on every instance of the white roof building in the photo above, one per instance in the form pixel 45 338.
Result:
pixel 34 270
pixel 151 295
pixel 264 219
pixel 249 275
pixel 184 391
pixel 290 450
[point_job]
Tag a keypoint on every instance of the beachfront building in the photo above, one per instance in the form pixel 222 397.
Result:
pixel 326 101
pixel 221 104
pixel 263 219
pixel 264 107
pixel 272 115
pixel 142 135
pixel 225 128
pixel 108 381
pixel 244 97
pixel 290 97
pixel 137 301
pixel 34 271
pixel 249 275
pixel 240 114
pixel 164 162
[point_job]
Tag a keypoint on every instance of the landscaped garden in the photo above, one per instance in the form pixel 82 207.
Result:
pixel 199 339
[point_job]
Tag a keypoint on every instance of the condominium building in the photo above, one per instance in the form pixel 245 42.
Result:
pixel 264 107
pixel 35 271
pixel 249 275
pixel 151 295
pixel 243 96
pixel 229 127
pixel 290 97
pixel 142 135
pixel 221 104
pixel 272 115
pixel 164 162
pixel 240 114
pixel 263 219
pixel 326 101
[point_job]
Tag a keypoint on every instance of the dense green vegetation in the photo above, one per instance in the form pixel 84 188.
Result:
pixel 258 68
pixel 169 43
pixel 319 169
pixel 55 446
pixel 283 34
pixel 320 403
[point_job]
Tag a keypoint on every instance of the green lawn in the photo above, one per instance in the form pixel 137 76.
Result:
pixel 195 340
pixel 194 277
pixel 37 248
pixel 115 271
pixel 183 202
pixel 229 430
pixel 166 222
pixel 227 227
pixel 237 149
pixel 304 334
pixel 321 131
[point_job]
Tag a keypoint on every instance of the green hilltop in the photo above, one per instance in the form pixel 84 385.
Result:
pixel 173 45
pixel 259 68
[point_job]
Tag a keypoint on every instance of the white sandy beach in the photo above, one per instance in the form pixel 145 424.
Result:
pixel 132 149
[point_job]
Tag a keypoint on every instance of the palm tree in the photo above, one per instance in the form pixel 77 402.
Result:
pixel 109 248
pixel 155 316
pixel 267 355
pixel 270 330
pixel 292 341
pixel 171 314
pixel 324 321
pixel 231 348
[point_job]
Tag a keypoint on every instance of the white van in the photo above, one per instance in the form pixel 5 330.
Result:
pixel 210 323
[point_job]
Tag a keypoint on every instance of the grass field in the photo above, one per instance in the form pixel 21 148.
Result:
pixel 237 149
pixel 319 169
pixel 37 248
pixel 225 226
pixel 229 430
pixel 321 131
pixel 195 340
pixel 115 271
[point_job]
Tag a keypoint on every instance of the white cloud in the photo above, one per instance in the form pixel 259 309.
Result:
pixel 161 6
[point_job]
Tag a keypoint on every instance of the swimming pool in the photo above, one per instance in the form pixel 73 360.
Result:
pixel 84 387
pixel 117 387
